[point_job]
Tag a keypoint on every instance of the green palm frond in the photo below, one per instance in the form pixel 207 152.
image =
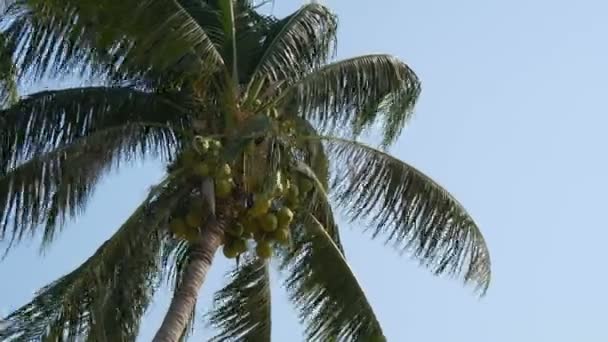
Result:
pixel 296 45
pixel 209 57
pixel 8 75
pixel 209 17
pixel 106 297
pixel 324 289
pixel 312 150
pixel 47 120
pixel 318 203
pixel 50 188
pixel 174 259
pixel 49 36
pixel 55 146
pixel 237 31
pixel 353 94
pixel 241 310
pixel 409 209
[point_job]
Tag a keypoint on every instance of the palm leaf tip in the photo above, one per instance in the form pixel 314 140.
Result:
pixel 297 44
pixel 410 210
pixel 356 93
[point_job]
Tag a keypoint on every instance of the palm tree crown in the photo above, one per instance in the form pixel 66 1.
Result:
pixel 245 102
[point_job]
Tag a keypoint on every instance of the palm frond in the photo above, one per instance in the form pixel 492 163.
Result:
pixel 313 150
pixel 324 289
pixel 48 120
pixel 8 74
pixel 106 297
pixel 174 259
pixel 254 30
pixel 353 94
pixel 241 310
pixel 309 159
pixel 55 146
pixel 318 203
pixel 409 209
pixel 49 37
pixel 48 189
pixel 297 44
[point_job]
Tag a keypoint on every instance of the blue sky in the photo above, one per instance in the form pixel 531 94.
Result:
pixel 511 121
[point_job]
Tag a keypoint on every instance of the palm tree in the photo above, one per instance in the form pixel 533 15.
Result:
pixel 259 131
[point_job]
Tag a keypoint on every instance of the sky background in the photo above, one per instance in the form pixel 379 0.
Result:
pixel 511 121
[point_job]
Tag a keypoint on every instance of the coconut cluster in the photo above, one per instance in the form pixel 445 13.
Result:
pixel 203 160
pixel 260 217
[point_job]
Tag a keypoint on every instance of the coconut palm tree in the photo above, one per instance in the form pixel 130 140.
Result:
pixel 259 130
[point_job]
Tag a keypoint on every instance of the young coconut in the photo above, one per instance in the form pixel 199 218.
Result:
pixel 240 245
pixel 284 216
pixel 261 205
pixel 201 144
pixel 215 147
pixel 263 249
pixel 223 172
pixel 281 236
pixel 223 188
pixel 269 222
pixel 236 230
pixel 230 251
pixel 216 144
pixel 250 225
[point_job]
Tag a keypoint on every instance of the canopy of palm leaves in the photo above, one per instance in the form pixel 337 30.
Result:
pixel 169 70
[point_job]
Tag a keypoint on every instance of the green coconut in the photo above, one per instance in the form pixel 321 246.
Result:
pixel 261 205
pixel 250 225
pixel 281 236
pixel 269 222
pixel 215 145
pixel 236 230
pixel 230 251
pixel 202 144
pixel 224 171
pixel 240 245
pixel 285 216
pixel 263 249
pixel 223 188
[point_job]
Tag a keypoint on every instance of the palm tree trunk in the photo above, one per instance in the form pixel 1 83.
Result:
pixel 184 299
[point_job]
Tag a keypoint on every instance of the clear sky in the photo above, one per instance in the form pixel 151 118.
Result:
pixel 511 121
